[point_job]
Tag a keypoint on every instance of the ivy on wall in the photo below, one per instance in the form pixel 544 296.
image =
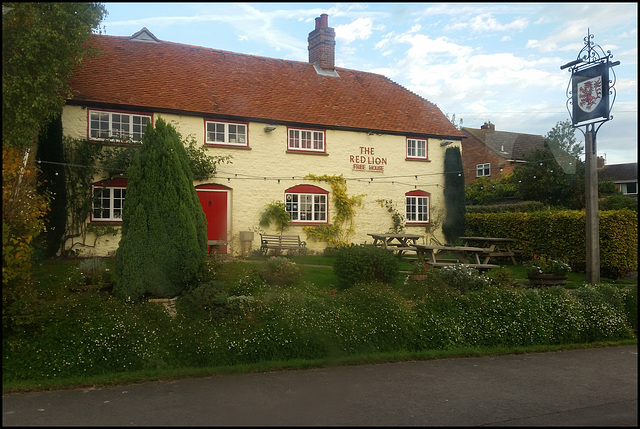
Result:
pixel 85 160
pixel 341 229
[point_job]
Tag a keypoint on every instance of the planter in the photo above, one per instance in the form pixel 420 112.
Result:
pixel 547 279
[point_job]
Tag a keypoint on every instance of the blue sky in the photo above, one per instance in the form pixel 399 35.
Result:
pixel 497 62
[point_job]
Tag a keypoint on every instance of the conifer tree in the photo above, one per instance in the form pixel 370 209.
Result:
pixel 454 195
pixel 164 230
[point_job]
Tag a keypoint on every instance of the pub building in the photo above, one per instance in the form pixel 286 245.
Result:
pixel 283 123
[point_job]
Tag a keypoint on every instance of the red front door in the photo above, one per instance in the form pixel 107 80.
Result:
pixel 215 204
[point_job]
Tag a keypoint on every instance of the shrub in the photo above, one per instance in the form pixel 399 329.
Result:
pixel 94 271
pixel 280 271
pixel 164 230
pixel 207 301
pixel 364 264
pixel 463 278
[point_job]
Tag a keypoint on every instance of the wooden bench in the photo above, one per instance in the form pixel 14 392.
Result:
pixel 281 242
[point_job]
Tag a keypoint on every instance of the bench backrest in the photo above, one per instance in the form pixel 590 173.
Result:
pixel 280 238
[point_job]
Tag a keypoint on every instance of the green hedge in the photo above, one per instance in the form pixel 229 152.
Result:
pixel 561 234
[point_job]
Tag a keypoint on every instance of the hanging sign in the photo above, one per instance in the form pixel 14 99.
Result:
pixel 590 94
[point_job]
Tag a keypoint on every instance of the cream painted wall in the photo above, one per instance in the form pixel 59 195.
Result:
pixel 261 174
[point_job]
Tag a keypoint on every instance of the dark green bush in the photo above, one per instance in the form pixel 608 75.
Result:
pixel 207 301
pixel 164 230
pixel 618 202
pixel 364 264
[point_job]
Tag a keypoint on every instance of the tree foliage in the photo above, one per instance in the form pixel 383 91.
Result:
pixel 454 195
pixel 42 43
pixel 164 230
pixel 541 178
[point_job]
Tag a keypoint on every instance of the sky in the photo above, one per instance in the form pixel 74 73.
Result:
pixel 478 62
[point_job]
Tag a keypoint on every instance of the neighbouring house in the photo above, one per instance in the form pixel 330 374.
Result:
pixel 625 176
pixel 490 153
pixel 280 121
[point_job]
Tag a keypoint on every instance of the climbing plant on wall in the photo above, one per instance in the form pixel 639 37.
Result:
pixel 341 229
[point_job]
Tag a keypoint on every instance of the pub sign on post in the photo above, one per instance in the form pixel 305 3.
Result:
pixel 590 90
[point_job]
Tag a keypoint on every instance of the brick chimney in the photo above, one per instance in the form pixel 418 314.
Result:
pixel 488 126
pixel 600 162
pixel 322 44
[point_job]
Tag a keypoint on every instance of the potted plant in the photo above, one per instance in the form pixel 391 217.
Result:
pixel 420 269
pixel 546 271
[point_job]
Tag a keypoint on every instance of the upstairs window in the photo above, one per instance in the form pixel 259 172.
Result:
pixel 120 126
pixel 306 204
pixel 108 200
pixel 416 149
pixel 306 140
pixel 483 170
pixel 226 134
pixel 417 207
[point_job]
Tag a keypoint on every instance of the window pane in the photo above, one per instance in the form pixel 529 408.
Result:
pixel 294 139
pixel 417 209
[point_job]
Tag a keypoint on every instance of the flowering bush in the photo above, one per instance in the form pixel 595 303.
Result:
pixel 545 265
pixel 463 278
pixel 420 267
pixel 280 271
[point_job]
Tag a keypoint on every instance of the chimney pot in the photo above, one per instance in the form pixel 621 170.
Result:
pixel 322 42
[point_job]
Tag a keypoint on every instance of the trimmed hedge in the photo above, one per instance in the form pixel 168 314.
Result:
pixel 561 234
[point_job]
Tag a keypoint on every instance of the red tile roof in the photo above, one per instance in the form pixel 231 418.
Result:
pixel 170 77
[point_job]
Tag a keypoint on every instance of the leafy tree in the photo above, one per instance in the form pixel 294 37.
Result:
pixel 541 178
pixel 562 141
pixel 164 230
pixel 454 195
pixel 42 43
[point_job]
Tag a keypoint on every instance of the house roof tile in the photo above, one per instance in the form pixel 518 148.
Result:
pixel 620 172
pixel 164 76
pixel 507 144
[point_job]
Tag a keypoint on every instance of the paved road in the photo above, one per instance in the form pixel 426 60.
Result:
pixel 591 387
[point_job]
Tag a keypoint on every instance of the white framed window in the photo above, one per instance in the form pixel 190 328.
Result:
pixel 483 170
pixel 108 200
pixel 306 140
pixel 104 125
pixel 417 207
pixel 226 133
pixel 629 188
pixel 416 148
pixel 306 204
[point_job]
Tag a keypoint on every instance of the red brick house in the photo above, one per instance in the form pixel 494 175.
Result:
pixel 490 153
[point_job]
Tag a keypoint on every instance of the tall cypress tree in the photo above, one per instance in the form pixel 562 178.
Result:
pixel 164 230
pixel 454 196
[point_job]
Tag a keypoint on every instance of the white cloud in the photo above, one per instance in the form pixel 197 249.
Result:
pixel 361 28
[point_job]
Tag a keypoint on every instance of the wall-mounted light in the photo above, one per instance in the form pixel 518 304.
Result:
pixel 269 128
pixel 446 143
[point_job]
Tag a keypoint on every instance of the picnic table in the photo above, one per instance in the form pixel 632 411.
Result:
pixel 494 247
pixel 466 255
pixel 396 242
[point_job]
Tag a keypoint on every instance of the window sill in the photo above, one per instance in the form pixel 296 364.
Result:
pixel 227 146
pixel 304 152
pixel 418 159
